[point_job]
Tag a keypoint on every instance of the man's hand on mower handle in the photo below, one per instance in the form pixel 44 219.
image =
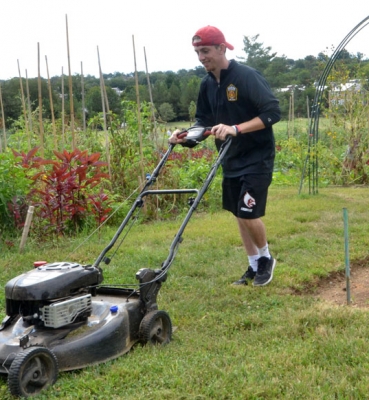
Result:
pixel 174 139
pixel 221 131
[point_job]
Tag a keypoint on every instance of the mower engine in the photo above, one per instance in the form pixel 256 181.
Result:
pixel 53 295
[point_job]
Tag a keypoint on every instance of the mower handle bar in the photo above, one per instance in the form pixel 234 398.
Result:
pixel 201 133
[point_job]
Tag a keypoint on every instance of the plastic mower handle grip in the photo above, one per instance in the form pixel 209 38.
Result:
pixel 184 133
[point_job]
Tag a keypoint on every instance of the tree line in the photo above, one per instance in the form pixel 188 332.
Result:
pixel 174 93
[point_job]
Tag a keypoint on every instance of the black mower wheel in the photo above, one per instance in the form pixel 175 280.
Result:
pixel 156 328
pixel 32 371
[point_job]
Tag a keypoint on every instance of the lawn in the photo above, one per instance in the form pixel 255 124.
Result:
pixel 274 342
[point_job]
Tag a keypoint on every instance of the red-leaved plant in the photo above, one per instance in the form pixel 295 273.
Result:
pixel 63 195
pixel 98 206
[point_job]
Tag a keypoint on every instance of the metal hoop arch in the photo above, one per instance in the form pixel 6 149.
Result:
pixel 311 162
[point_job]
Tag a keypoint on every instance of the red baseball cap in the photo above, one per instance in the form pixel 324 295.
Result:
pixel 210 36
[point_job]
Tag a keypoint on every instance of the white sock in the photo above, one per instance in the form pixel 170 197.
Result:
pixel 264 251
pixel 253 261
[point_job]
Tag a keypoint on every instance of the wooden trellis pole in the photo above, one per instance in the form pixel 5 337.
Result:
pixel 138 115
pixel 63 107
pixel 29 105
pixel 24 108
pixel 151 102
pixel 83 99
pixel 107 144
pixel 3 120
pixel 291 116
pixel 40 104
pixel 70 91
pixel 103 86
pixel 155 136
pixel 51 106
pixel 27 225
pixel 106 98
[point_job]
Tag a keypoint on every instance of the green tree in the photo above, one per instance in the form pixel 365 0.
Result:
pixel 94 104
pixel 166 112
pixel 189 91
pixel 277 72
pixel 160 92
pixel 192 111
pixel 174 96
pixel 12 99
pixel 257 56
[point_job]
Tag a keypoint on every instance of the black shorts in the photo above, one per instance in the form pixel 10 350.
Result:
pixel 246 196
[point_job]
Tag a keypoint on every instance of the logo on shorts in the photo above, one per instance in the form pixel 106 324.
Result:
pixel 249 201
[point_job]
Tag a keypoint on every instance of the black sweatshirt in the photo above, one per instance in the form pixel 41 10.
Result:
pixel 241 95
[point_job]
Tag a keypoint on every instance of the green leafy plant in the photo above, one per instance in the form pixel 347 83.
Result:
pixel 14 187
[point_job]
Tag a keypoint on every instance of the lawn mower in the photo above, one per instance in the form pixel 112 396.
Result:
pixel 61 317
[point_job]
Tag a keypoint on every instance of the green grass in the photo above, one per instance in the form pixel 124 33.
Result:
pixel 234 342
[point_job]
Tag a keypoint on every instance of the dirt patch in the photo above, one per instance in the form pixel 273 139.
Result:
pixel 333 288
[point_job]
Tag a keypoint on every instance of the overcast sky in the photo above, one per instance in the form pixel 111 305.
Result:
pixel 163 29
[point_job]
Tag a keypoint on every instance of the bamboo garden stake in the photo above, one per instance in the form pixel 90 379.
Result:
pixel 104 115
pixel 41 127
pixel 63 108
pixel 102 82
pixel 70 91
pixel 83 99
pixel 26 228
pixel 24 108
pixel 155 138
pixel 29 105
pixel 3 121
pixel 51 106
pixel 138 114
pixel 151 102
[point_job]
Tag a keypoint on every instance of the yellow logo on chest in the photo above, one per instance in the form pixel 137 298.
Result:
pixel 232 92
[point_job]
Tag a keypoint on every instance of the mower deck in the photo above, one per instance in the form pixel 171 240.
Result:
pixel 110 331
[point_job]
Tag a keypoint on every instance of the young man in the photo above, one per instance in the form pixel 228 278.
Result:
pixel 236 100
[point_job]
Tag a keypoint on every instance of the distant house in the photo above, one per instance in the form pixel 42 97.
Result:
pixel 291 88
pixel 117 91
pixel 339 91
pixel 353 84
